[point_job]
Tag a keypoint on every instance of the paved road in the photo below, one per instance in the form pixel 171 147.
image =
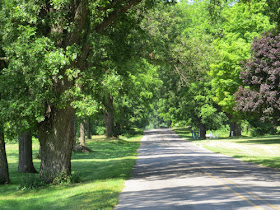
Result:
pixel 171 173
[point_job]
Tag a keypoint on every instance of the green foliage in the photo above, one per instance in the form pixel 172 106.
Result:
pixel 64 179
pixel 186 52
pixel 31 182
pixel 241 24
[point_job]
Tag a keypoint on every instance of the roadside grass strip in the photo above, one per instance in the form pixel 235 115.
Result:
pixel 260 150
pixel 102 171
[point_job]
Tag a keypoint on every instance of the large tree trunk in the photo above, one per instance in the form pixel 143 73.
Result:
pixel 238 129
pixel 25 163
pixel 202 131
pixel 82 133
pixel 89 129
pixel 4 170
pixel 232 129
pixel 109 116
pixel 56 141
pixel 235 129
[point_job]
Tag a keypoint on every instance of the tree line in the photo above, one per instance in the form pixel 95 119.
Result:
pixel 128 63
pixel 208 50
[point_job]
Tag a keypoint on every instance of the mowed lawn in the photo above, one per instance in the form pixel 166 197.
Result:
pixel 102 171
pixel 261 150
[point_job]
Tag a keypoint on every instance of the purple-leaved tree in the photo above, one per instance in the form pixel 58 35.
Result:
pixel 261 77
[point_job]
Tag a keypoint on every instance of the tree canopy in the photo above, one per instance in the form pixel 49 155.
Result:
pixel 137 64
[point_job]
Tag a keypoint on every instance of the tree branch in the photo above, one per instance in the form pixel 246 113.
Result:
pixel 112 17
pixel 4 59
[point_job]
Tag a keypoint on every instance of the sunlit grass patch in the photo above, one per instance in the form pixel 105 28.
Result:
pixel 103 172
pixel 184 133
pixel 263 150
pixel 260 150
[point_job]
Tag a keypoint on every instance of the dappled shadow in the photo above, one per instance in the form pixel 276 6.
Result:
pixel 111 159
pixel 179 175
pixel 189 197
pixel 271 162
pixel 107 150
pixel 171 156
pixel 168 164
pixel 264 140
pixel 77 201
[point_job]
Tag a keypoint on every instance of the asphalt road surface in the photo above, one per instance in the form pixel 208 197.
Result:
pixel 171 173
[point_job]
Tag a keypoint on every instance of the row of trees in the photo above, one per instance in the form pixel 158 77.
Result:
pixel 133 62
pixel 208 44
pixel 67 57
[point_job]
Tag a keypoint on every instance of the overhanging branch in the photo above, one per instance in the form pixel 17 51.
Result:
pixel 110 19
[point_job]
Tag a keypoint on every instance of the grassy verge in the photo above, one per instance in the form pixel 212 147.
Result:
pixel 103 173
pixel 261 150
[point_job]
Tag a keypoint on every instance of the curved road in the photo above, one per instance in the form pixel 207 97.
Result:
pixel 171 173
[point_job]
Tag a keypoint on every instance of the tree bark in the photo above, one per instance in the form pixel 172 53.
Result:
pixel 56 141
pixel 74 129
pixel 89 129
pixel 235 129
pixel 232 129
pixel 25 163
pixel 4 170
pixel 202 131
pixel 109 116
pixel 238 129
pixel 82 133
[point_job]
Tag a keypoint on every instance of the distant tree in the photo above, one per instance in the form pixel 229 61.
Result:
pixel 241 23
pixel 85 108
pixel 182 46
pixel 25 163
pixel 4 171
pixel 261 77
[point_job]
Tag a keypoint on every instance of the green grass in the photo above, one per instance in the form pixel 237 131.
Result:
pixel 103 173
pixel 260 150
pixel 183 133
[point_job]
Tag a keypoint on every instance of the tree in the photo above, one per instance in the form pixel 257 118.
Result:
pixel 4 170
pixel 260 75
pixel 82 133
pixel 184 51
pixel 48 52
pixel 85 108
pixel 241 23
pixel 138 91
pixel 121 60
pixel 25 163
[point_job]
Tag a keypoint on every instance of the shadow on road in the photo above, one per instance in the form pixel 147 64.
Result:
pixel 172 173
